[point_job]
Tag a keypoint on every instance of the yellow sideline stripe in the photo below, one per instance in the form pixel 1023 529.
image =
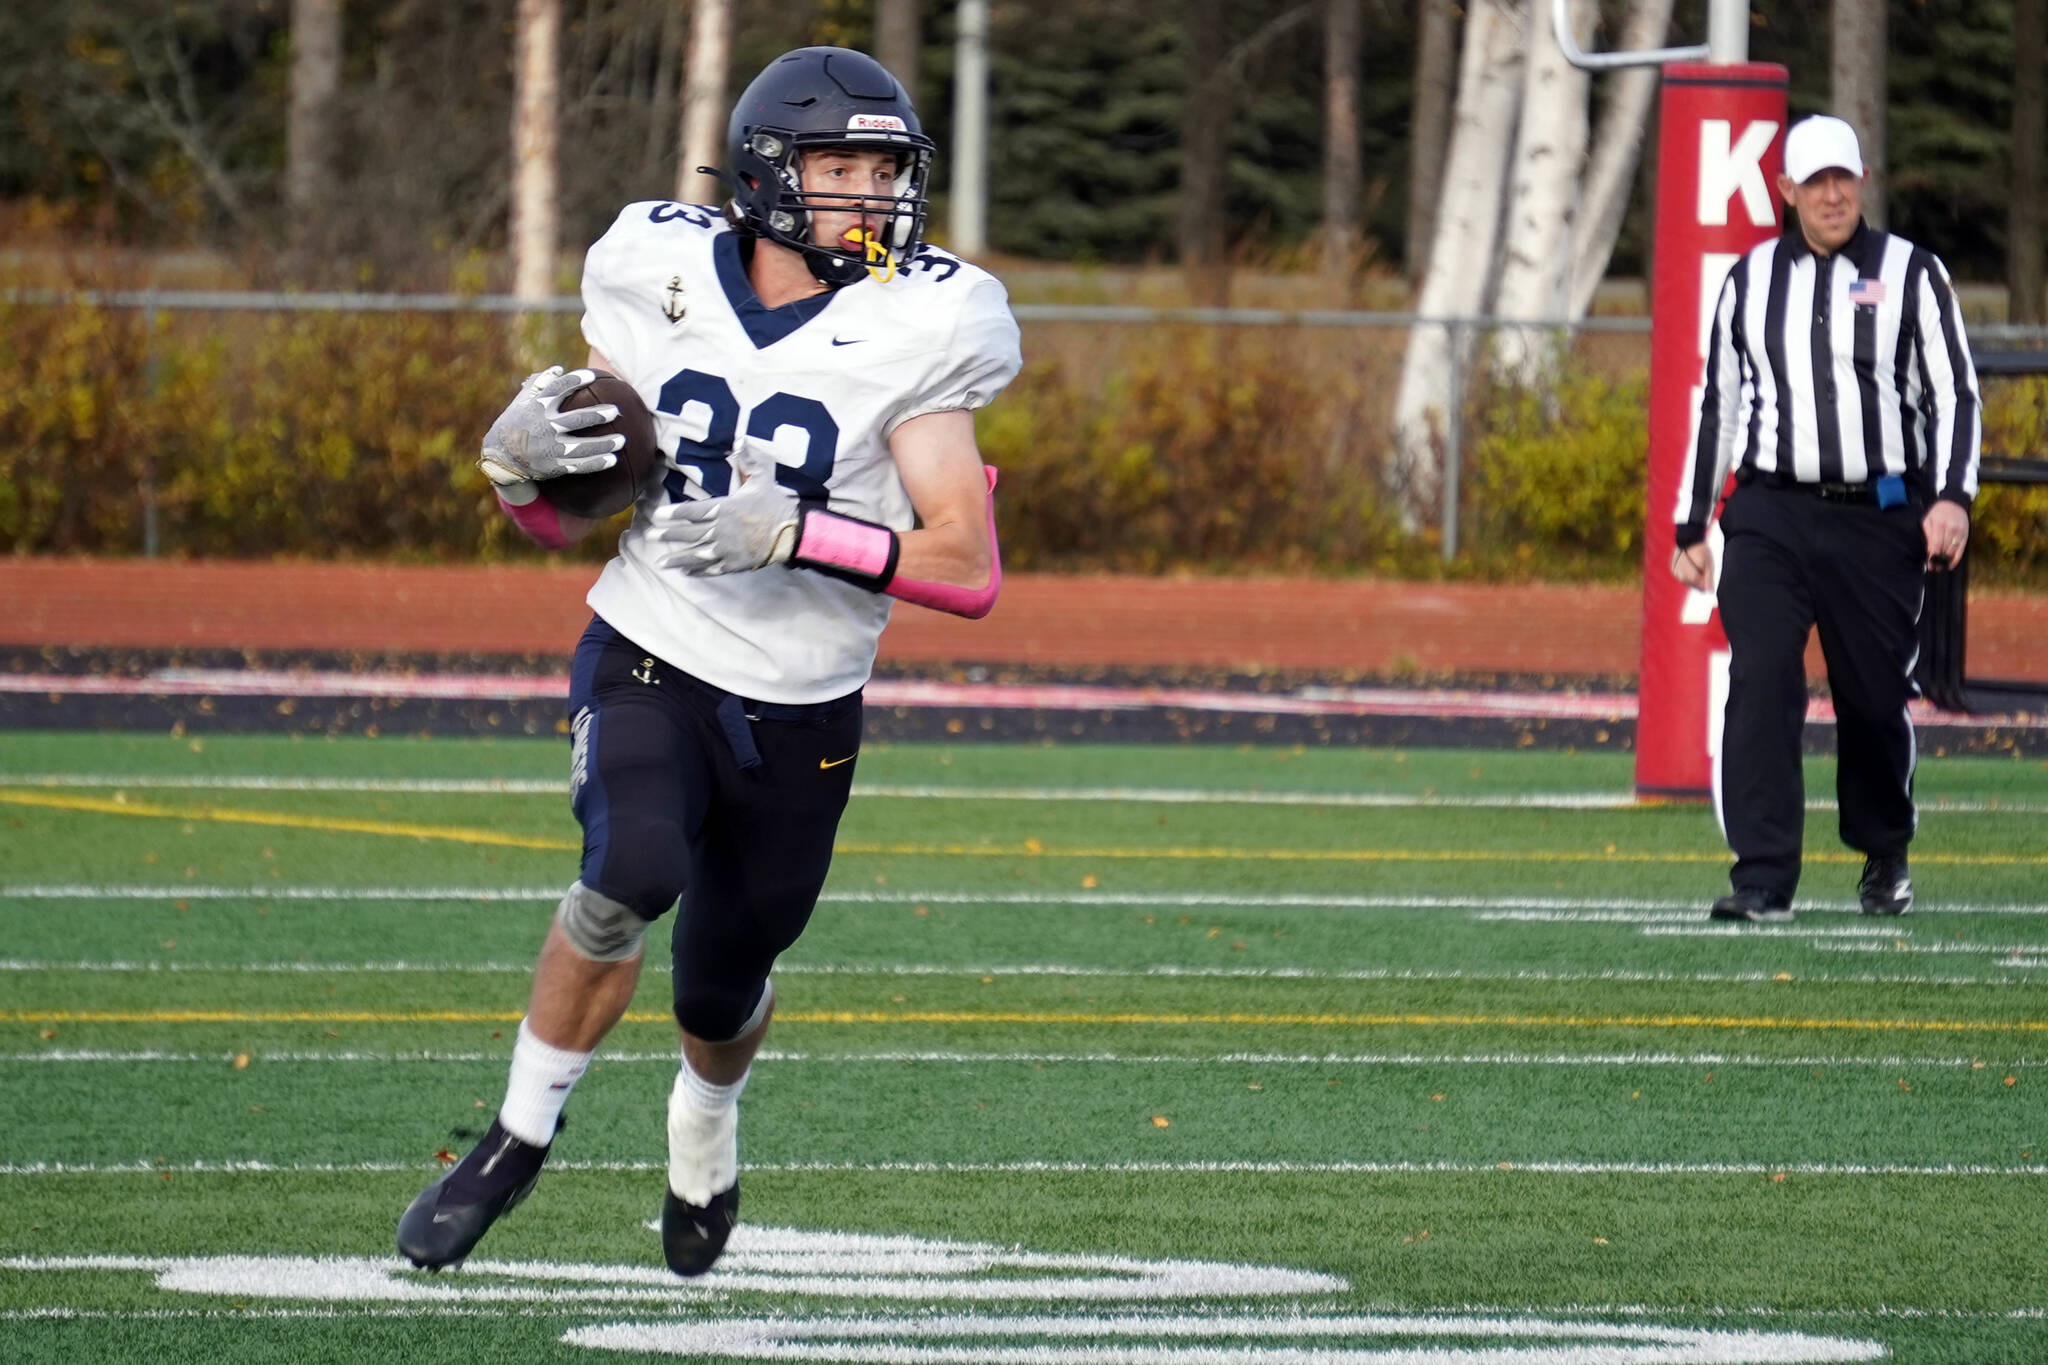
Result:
pixel 1028 848
pixel 334 824
pixel 1568 1021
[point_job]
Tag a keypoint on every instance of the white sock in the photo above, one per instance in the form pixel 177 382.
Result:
pixel 703 1095
pixel 542 1077
pixel 703 1136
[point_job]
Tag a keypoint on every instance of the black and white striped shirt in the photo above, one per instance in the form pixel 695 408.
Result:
pixel 1835 369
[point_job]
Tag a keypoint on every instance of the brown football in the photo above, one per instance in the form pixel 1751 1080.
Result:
pixel 610 491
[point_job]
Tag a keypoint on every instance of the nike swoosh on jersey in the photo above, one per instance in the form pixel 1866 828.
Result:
pixel 851 341
pixel 824 763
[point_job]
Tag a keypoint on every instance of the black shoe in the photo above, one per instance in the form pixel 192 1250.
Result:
pixel 693 1235
pixel 450 1216
pixel 1754 906
pixel 1885 888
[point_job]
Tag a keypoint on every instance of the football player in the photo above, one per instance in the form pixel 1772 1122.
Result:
pixel 813 369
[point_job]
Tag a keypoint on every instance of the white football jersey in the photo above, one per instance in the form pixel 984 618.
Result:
pixel 821 383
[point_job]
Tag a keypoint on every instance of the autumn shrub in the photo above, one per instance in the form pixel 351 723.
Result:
pixel 1555 481
pixel 1134 449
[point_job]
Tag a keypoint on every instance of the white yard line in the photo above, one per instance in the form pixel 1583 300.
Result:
pixel 1308 1059
pixel 1539 909
pixel 1502 1167
pixel 1047 969
pixel 1596 801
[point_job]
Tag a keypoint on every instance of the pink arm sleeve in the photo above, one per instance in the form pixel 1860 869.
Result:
pixel 865 553
pixel 973 603
pixel 539 520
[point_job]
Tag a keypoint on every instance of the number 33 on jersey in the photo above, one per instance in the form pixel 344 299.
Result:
pixel 821 383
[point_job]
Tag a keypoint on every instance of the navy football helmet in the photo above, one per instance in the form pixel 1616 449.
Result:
pixel 825 97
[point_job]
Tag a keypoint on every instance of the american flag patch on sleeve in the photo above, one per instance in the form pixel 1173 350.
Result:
pixel 1867 293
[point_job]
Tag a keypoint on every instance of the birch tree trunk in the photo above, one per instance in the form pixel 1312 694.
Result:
pixel 1543 198
pixel 897 42
pixel 1617 152
pixel 2024 225
pixel 536 99
pixel 1856 85
pixel 1341 160
pixel 1436 56
pixel 309 132
pixel 1205 154
pixel 1462 250
pixel 704 111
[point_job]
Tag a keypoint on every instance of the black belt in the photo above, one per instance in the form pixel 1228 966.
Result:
pixel 1824 490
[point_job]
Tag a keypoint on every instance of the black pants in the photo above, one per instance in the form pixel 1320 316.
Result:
pixel 1794 561
pixel 724 807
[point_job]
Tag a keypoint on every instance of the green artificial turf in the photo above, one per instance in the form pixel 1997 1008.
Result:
pixel 1348 1012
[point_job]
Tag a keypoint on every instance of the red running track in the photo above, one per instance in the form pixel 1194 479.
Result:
pixel 1248 624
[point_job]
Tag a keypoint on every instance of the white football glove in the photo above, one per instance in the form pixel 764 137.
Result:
pixel 748 528
pixel 534 439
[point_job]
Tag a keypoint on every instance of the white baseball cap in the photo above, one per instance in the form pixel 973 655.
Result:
pixel 1821 143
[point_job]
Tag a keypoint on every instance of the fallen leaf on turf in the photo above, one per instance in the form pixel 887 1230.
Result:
pixel 2010 1080
pixel 1903 1085
pixel 1161 1121
pixel 1777 1177
pixel 1253 1085
pixel 1599 1241
pixel 1089 881
pixel 1976 1066
pixel 1436 1099
pixel 47 1034
pixel 241 1061
pixel 444 1156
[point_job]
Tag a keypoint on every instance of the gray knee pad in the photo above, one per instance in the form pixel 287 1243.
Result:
pixel 598 927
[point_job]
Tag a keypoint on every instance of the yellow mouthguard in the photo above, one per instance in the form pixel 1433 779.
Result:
pixel 872 247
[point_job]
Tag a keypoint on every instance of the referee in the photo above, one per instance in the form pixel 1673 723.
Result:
pixel 1839 383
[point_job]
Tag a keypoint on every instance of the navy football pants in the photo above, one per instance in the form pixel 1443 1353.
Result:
pixel 723 807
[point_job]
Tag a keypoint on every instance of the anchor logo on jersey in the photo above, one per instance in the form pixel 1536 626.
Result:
pixel 674 310
pixel 645 673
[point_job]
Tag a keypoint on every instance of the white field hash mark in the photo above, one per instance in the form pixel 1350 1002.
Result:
pixel 518 786
pixel 1074 1322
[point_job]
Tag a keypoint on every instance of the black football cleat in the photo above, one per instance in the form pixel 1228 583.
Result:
pixel 1885 888
pixel 449 1217
pixel 1752 906
pixel 692 1235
